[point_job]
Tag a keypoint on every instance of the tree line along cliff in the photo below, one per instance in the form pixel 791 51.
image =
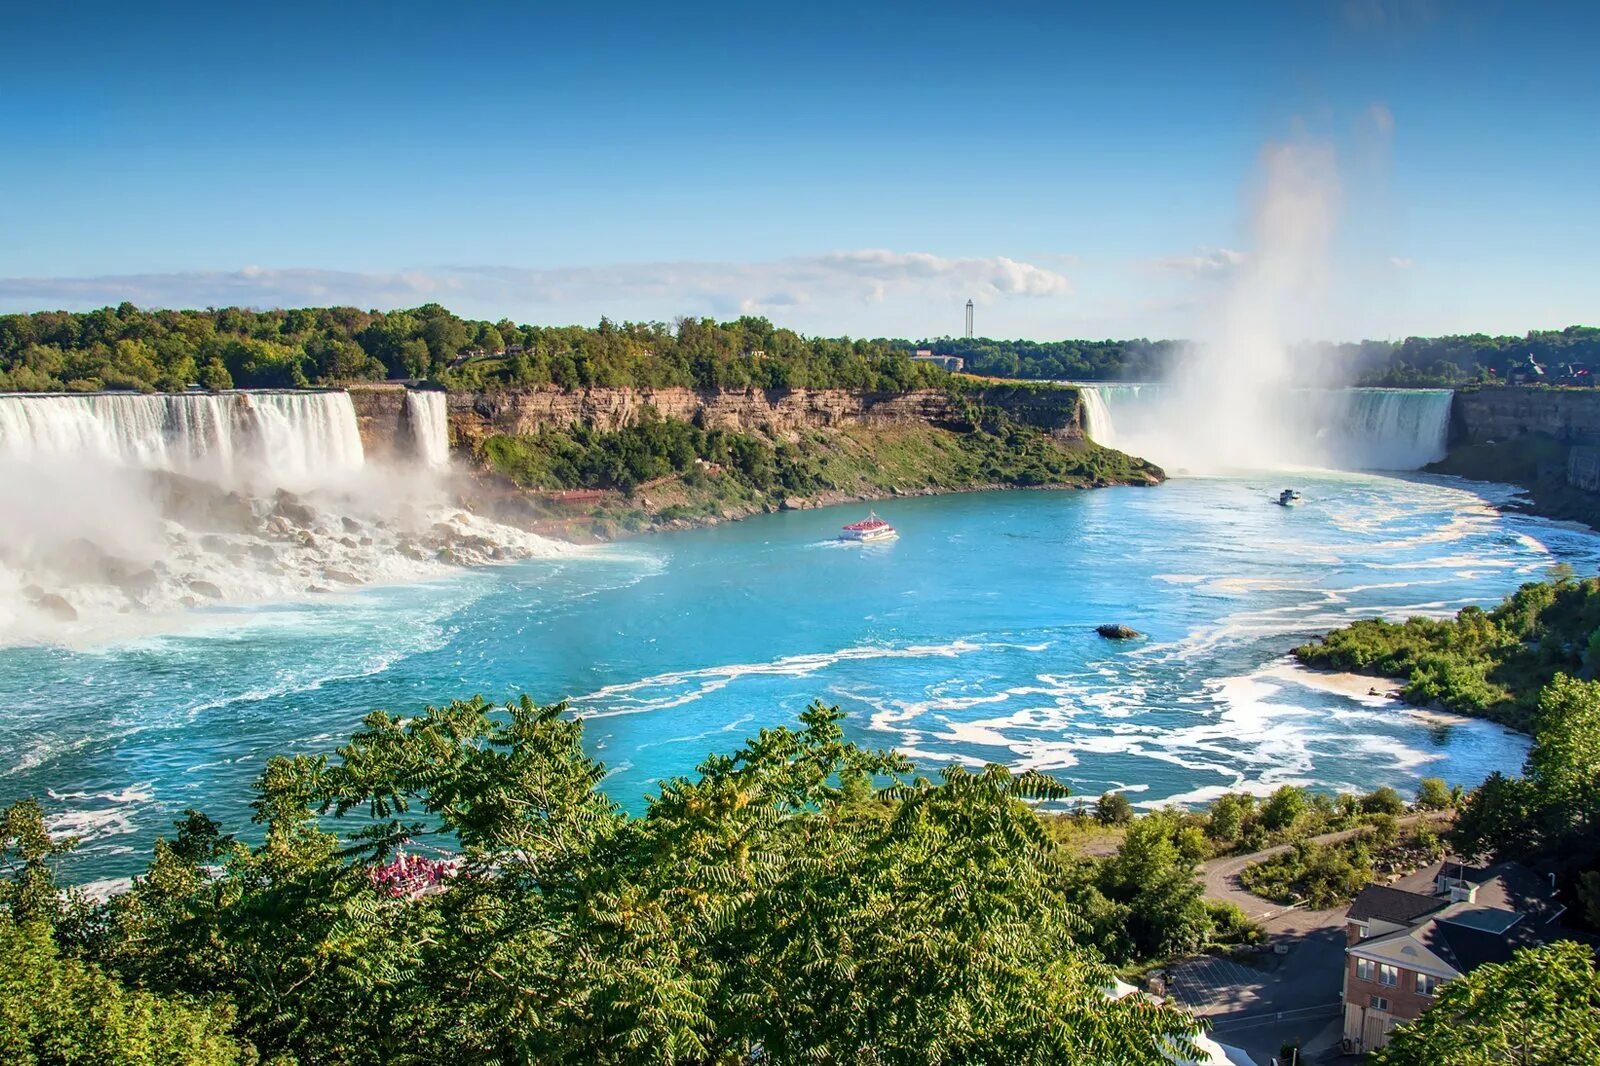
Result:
pixel 126 347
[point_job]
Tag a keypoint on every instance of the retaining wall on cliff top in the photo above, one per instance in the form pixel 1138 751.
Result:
pixel 1502 413
pixel 476 415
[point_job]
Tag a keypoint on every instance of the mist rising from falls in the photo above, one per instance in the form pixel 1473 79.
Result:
pixel 115 508
pixel 1233 400
pixel 1343 429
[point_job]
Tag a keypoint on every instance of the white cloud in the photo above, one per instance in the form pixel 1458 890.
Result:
pixel 824 283
pixel 1400 262
pixel 1207 262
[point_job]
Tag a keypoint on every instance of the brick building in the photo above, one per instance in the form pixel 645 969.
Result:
pixel 1402 943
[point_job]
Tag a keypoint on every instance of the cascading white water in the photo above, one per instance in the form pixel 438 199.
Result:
pixel 1351 429
pixel 276 439
pixel 117 507
pixel 427 419
pixel 306 438
pixel 177 433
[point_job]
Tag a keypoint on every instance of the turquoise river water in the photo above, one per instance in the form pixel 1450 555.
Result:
pixel 970 639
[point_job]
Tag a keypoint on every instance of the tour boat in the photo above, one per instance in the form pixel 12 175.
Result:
pixel 1288 498
pixel 868 531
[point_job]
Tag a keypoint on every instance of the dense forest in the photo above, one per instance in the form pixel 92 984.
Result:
pixel 128 348
pixel 1415 361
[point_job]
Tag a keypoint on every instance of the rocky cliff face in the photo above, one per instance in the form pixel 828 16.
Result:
pixel 380 419
pixel 1502 414
pixel 474 416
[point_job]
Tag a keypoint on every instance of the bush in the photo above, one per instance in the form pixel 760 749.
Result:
pixel 60 1010
pixel 1434 795
pixel 1113 808
pixel 1284 807
pixel 1383 800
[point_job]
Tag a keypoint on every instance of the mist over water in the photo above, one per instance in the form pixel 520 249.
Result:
pixel 1236 399
pixel 117 511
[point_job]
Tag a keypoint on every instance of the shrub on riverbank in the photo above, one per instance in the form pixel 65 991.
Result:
pixel 1489 664
pixel 1322 876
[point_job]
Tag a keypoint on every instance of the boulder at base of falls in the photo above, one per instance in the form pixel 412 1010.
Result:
pixel 1118 631
pixel 55 606
pixel 205 588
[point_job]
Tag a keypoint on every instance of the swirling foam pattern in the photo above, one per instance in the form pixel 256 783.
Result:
pixel 970 639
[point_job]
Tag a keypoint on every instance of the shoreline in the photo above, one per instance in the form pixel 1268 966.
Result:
pixel 1365 688
pixel 560 529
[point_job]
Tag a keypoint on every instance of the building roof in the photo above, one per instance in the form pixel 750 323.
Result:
pixel 1511 908
pixel 1466 947
pixel 1393 905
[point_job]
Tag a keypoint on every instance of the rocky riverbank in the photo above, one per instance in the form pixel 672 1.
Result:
pixel 597 464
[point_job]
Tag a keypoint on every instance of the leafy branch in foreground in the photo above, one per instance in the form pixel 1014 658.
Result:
pixel 1542 1008
pixel 801 899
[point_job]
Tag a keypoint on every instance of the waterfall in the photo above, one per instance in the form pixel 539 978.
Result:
pixel 178 433
pixel 426 418
pixel 294 440
pixel 306 438
pixel 1349 429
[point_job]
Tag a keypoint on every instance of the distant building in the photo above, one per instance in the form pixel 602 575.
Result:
pixel 1401 944
pixel 952 363
pixel 1529 371
pixel 969 320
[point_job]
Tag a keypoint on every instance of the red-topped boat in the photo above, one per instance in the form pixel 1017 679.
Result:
pixel 869 531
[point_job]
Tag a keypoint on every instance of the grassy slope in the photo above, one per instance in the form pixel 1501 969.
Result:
pixel 821 465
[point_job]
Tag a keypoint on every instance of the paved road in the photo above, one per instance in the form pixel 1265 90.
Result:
pixel 1220 878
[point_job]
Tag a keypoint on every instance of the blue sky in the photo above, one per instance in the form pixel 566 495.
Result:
pixel 1077 170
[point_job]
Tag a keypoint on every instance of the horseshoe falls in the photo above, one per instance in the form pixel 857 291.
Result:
pixel 1340 429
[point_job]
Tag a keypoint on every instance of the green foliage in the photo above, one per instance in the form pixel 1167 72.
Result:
pixel 1161 911
pixel 1383 800
pixel 1318 875
pixel 1113 808
pixel 1542 1007
pixel 127 348
pixel 1416 361
pixel 1284 807
pixel 775 905
pixel 1553 811
pixel 1328 875
pixel 726 463
pixel 1490 664
pixel 1434 795
pixel 62 1010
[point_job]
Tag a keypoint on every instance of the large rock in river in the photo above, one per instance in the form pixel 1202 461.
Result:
pixel 1118 631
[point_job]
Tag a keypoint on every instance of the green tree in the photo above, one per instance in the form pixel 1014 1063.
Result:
pixel 1434 795
pixel 1383 800
pixel 61 1010
pixel 1284 807
pixel 1542 1009
pixel 215 376
pixel 1113 808
pixel 1563 767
